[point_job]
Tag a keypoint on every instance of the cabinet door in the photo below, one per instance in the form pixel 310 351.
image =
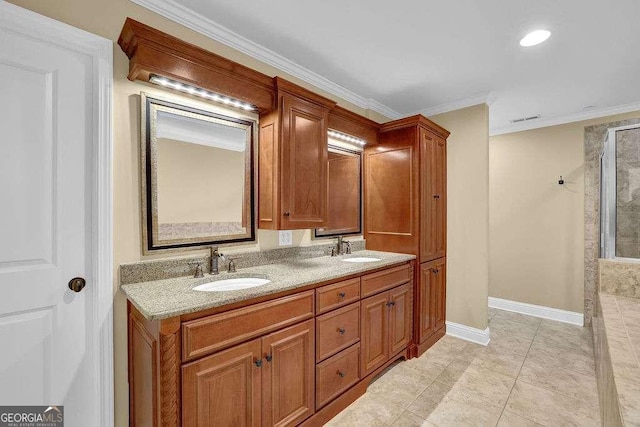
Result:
pixel 289 375
pixel 400 317
pixel 433 196
pixel 426 296
pixel 374 338
pixel 229 379
pixel 304 178
pixel 440 299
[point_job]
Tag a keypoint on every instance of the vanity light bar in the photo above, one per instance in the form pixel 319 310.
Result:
pixel 192 90
pixel 347 138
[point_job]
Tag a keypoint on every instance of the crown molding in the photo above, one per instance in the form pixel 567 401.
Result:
pixel 198 23
pixel 593 113
pixel 390 113
pixel 481 98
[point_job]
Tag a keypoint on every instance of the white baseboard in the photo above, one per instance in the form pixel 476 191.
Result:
pixel 468 333
pixel 538 311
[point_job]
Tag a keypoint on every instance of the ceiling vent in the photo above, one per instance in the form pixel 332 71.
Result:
pixel 525 119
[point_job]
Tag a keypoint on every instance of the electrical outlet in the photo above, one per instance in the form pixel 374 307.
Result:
pixel 285 237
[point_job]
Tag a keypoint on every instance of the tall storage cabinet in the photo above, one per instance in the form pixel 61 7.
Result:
pixel 405 210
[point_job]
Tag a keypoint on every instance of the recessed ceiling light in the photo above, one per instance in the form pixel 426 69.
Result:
pixel 534 38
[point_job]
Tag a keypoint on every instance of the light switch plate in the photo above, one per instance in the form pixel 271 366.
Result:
pixel 285 237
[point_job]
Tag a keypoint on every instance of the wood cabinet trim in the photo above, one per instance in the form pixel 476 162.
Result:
pixel 151 51
pixel 412 121
pixel 286 86
pixel 350 123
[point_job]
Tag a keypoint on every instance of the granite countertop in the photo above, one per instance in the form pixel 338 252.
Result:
pixel 621 318
pixel 161 299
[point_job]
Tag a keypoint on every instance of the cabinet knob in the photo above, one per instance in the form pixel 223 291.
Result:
pixel 435 270
pixel 436 196
pixel 287 213
pixel 269 357
pixel 391 303
pixel 342 331
pixel 342 294
pixel 258 363
pixel 341 374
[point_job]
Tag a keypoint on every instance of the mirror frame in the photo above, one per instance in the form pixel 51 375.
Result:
pixel 148 179
pixel 318 233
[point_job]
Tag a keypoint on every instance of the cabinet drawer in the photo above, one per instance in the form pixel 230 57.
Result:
pixel 337 295
pixel 213 333
pixel 386 279
pixel 337 374
pixel 337 330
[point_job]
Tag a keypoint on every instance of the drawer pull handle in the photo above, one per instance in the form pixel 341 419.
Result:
pixel 391 303
pixel 342 294
pixel 342 374
pixel 268 357
pixel 258 363
pixel 342 331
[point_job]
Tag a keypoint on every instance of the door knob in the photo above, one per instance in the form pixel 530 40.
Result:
pixel 77 284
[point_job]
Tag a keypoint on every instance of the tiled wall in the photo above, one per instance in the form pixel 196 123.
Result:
pixel 628 193
pixel 593 140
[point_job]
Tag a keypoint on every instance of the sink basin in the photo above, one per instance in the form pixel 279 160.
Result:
pixel 231 284
pixel 362 259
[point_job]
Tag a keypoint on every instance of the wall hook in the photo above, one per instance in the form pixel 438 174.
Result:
pixel 561 181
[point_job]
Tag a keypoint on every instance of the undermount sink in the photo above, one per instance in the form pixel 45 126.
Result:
pixel 362 259
pixel 231 284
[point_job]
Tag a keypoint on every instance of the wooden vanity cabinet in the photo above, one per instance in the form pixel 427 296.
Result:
pixel 386 326
pixel 295 359
pixel 405 210
pixel 292 164
pixel 268 381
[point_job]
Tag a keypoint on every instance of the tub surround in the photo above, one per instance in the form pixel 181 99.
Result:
pixel 616 331
pixel 619 278
pixel 617 341
pixel 162 299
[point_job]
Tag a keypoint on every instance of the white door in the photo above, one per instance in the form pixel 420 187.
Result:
pixel 48 332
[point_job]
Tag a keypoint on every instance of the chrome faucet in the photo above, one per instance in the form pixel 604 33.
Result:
pixel 215 254
pixel 348 250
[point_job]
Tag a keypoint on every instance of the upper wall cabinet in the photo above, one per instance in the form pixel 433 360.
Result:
pixel 292 165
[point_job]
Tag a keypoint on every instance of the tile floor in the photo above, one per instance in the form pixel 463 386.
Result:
pixel 534 372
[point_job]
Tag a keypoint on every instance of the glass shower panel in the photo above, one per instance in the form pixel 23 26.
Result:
pixel 627 207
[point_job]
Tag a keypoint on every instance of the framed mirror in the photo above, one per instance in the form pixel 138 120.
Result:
pixel 197 175
pixel 345 193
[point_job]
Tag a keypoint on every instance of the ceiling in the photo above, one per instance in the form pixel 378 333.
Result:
pixel 431 56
